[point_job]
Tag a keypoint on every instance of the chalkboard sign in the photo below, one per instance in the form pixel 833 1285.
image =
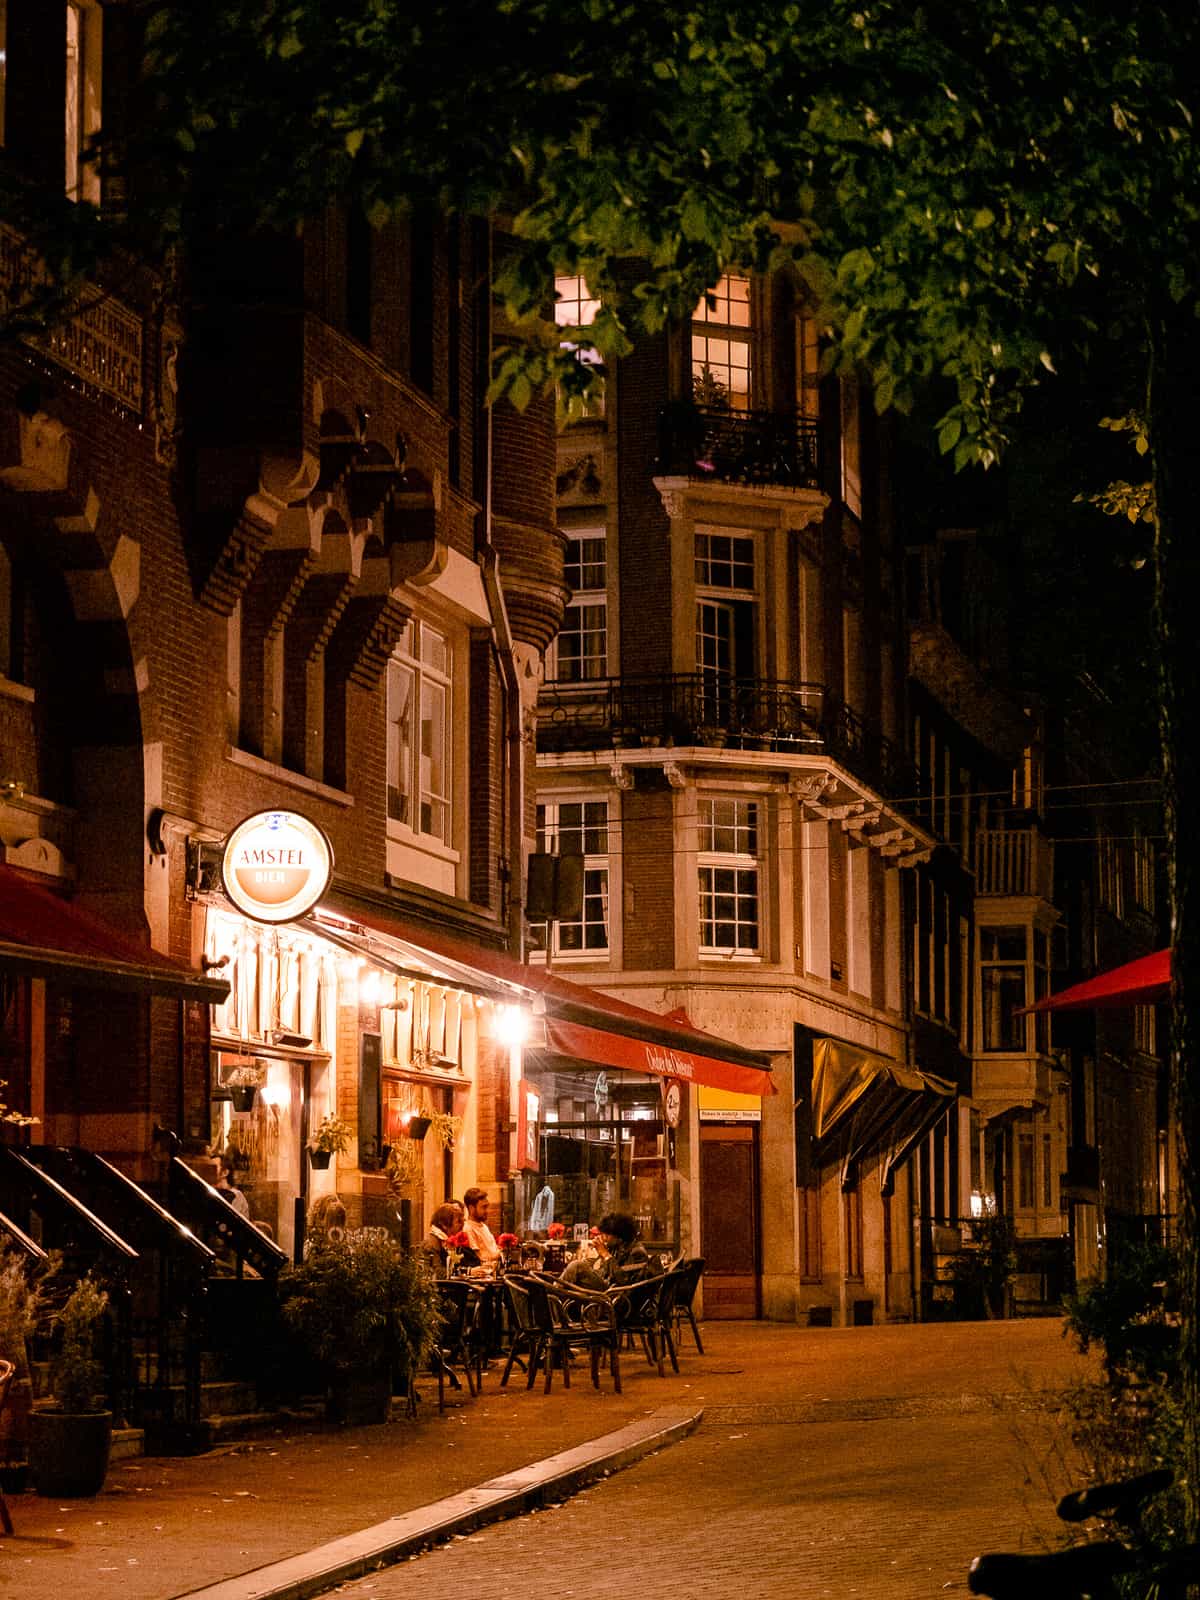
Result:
pixel 370 1101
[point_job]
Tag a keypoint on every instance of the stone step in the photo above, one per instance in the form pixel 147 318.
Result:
pixel 127 1442
pixel 229 1396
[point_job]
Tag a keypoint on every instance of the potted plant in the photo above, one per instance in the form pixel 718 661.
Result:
pixel 22 1303
pixel 445 1127
pixel 69 1441
pixel 243 1082
pixel 332 1138
pixel 366 1314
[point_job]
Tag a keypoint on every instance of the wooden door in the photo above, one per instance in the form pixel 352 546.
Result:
pixel 729 1218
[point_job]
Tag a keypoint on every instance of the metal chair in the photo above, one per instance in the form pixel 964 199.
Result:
pixel 452 1342
pixel 644 1312
pixel 687 1280
pixel 584 1319
pixel 528 1334
pixel 6 1377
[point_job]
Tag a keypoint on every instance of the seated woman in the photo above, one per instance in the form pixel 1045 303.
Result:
pixel 445 1224
pixel 620 1257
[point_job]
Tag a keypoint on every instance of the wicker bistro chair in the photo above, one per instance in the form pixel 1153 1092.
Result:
pixel 687 1275
pixel 529 1325
pixel 644 1312
pixel 452 1347
pixel 6 1377
pixel 584 1319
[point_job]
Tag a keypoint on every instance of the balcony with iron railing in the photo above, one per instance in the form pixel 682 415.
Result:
pixel 696 709
pixel 755 448
pixel 1014 861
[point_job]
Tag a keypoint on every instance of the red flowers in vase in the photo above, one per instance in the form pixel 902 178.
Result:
pixel 508 1241
pixel 555 1231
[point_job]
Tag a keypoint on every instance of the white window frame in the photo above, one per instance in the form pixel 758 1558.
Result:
pixel 82 98
pixel 584 601
pixel 745 816
pixel 430 817
pixel 1021 964
pixel 597 878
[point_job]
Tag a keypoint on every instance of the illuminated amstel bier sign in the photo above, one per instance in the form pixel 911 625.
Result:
pixel 276 866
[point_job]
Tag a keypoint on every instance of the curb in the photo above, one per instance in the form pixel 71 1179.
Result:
pixel 355 1555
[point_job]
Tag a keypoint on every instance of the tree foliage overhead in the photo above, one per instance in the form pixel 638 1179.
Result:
pixel 942 175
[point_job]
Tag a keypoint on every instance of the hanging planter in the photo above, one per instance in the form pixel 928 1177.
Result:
pixel 319 1159
pixel 243 1096
pixel 418 1127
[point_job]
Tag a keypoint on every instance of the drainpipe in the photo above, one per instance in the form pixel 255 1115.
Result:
pixel 489 562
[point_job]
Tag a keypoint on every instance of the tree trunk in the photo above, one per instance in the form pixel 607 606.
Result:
pixel 1173 409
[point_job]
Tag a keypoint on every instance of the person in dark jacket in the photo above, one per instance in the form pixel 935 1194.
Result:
pixel 619 1256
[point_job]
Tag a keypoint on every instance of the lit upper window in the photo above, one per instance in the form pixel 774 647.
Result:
pixel 84 32
pixel 721 338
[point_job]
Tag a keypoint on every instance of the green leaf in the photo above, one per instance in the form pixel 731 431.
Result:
pixel 948 434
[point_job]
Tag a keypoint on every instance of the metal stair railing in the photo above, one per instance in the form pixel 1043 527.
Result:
pixel 87 1244
pixel 226 1233
pixel 171 1283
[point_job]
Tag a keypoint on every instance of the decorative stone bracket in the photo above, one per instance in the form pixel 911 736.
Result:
pixel 832 795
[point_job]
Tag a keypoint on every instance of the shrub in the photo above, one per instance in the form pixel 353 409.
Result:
pixel 360 1303
pixel 76 1377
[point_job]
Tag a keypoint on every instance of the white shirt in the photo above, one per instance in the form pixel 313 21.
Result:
pixel 482 1241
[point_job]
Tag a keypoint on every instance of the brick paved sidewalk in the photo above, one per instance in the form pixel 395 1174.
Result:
pixel 164 1526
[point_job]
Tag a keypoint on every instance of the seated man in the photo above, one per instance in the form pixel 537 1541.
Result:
pixel 620 1257
pixel 476 1227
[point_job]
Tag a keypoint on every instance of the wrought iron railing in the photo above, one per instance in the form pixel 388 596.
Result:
pixel 751 447
pixel 703 709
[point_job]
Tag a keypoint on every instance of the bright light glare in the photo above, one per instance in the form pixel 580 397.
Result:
pixel 368 986
pixel 512 1025
pixel 276 1094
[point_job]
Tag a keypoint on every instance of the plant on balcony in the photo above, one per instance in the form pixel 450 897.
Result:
pixel 708 390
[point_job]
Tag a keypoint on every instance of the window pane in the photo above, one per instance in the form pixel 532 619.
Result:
pixel 1002 944
pixel 1003 994
pixel 434 789
pixel 400 685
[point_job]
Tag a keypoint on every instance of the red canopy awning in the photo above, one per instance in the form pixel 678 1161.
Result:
pixel 47 937
pixel 581 1023
pixel 1138 983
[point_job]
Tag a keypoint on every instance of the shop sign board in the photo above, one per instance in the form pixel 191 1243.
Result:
pixel 276 866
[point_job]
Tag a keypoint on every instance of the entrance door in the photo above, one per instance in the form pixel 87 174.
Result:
pixel 729 1218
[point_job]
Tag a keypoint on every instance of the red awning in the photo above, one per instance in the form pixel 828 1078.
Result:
pixel 1138 983
pixel 581 1023
pixel 604 1048
pixel 46 937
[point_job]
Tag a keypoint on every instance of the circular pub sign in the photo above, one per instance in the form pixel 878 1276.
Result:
pixel 276 865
